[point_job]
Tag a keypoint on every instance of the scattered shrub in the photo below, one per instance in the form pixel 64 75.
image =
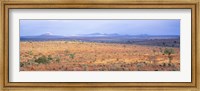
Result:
pixel 42 60
pixel 30 52
pixel 50 57
pixel 168 52
pixel 66 51
pixel 23 64
pixel 72 56
pixel 57 59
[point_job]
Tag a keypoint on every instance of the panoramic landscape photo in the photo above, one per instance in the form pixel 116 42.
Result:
pixel 99 45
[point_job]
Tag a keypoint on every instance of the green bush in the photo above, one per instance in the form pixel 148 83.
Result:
pixel 168 52
pixel 72 56
pixel 49 57
pixel 42 60
pixel 22 64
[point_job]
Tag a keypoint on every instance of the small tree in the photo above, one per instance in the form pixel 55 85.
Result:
pixel 168 52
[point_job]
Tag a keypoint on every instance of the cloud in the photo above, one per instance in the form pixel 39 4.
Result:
pixel 48 33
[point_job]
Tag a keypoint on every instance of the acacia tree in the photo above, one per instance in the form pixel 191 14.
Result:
pixel 168 52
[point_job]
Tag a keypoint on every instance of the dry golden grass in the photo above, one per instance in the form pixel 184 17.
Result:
pixel 88 56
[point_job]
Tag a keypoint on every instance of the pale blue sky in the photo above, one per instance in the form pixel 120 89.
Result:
pixel 74 27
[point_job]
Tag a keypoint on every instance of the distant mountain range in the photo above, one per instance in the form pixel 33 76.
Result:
pixel 91 35
pixel 46 35
pixel 142 39
pixel 50 36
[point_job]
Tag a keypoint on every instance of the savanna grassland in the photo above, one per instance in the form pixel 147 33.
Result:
pixel 92 56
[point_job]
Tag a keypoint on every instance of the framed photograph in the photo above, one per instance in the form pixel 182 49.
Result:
pixel 113 45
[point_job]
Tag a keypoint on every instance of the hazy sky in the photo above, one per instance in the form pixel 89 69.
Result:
pixel 73 27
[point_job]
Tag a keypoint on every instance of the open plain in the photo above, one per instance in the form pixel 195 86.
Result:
pixel 93 56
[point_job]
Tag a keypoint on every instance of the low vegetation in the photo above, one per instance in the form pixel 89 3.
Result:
pixel 91 56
